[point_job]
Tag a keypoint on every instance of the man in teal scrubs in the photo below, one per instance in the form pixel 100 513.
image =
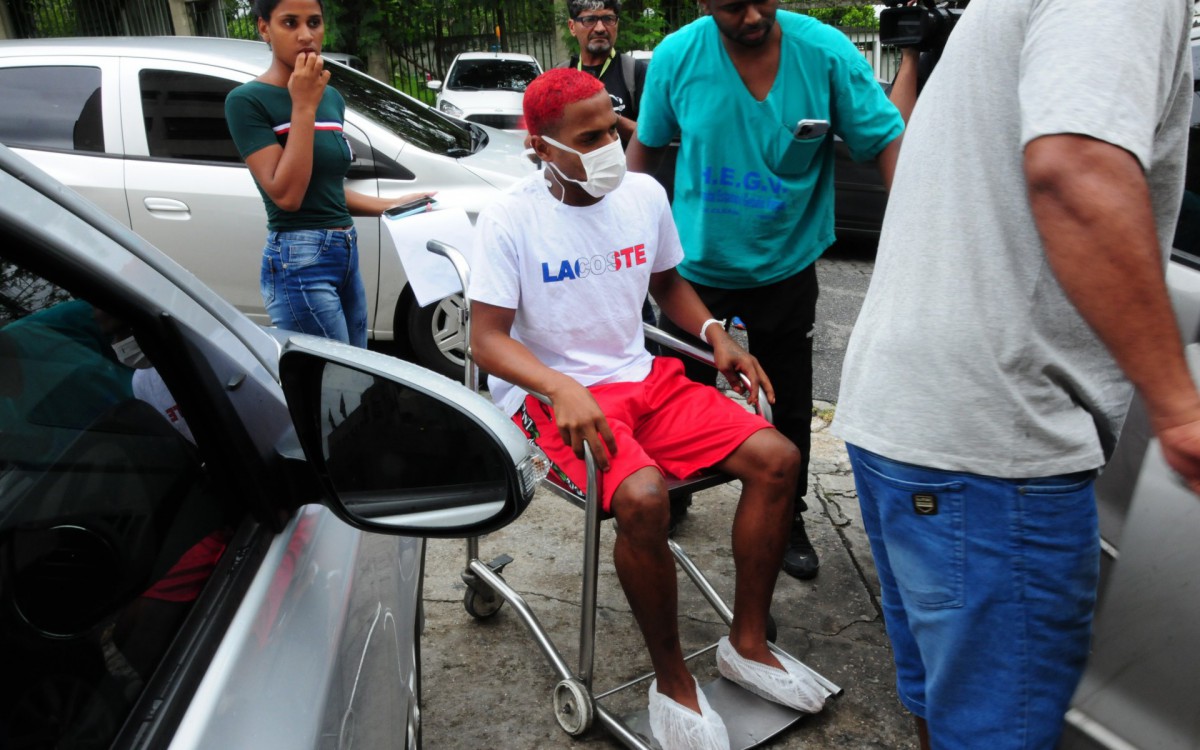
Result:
pixel 753 199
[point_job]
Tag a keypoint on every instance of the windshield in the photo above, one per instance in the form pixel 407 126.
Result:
pixel 502 75
pixel 416 123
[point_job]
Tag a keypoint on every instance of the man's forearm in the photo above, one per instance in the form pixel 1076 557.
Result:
pixel 904 86
pixel 904 96
pixel 1092 207
pixel 642 158
pixel 677 299
pixel 497 352
pixel 626 129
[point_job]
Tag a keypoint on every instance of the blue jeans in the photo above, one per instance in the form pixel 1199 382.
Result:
pixel 988 587
pixel 310 284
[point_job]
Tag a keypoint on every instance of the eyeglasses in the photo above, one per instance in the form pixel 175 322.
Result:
pixel 590 22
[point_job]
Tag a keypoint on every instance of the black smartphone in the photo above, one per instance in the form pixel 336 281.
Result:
pixel 411 207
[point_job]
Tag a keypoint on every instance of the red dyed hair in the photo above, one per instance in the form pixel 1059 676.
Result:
pixel 549 94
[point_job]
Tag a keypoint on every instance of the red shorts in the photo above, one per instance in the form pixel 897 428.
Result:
pixel 185 579
pixel 676 425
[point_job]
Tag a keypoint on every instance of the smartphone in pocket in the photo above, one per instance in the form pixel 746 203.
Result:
pixel 409 208
pixel 809 130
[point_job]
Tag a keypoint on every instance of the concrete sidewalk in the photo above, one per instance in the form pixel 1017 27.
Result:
pixel 486 684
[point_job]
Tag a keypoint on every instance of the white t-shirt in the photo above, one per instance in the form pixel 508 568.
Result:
pixel 576 275
pixel 148 386
pixel 967 355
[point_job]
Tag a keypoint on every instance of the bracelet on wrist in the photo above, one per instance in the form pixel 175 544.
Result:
pixel 704 329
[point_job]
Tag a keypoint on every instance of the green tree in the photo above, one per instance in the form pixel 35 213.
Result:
pixel 846 16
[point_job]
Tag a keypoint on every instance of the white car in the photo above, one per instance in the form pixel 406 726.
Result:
pixel 487 88
pixel 137 125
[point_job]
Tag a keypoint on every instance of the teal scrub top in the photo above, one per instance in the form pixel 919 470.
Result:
pixel 753 204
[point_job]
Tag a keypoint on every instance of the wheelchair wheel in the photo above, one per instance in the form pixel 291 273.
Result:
pixel 573 707
pixel 482 604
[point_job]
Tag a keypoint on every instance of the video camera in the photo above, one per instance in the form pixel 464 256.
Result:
pixel 925 26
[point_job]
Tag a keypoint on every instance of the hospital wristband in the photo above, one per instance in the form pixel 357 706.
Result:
pixel 704 328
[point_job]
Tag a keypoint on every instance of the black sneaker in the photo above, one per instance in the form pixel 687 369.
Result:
pixel 679 511
pixel 800 559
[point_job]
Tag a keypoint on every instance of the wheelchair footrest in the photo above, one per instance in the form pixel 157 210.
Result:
pixel 750 720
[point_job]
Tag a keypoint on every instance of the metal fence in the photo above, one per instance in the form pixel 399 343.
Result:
pixel 884 60
pixel 33 19
pixel 208 18
pixel 39 19
pixel 419 39
pixel 423 39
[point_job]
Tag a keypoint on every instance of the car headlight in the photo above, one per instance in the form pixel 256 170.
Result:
pixel 449 109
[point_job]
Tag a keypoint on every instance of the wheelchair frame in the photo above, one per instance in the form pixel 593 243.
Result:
pixel 750 720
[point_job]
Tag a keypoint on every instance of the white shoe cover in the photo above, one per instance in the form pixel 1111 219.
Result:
pixel 792 686
pixel 678 727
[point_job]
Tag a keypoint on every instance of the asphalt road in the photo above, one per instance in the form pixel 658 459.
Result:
pixel 843 274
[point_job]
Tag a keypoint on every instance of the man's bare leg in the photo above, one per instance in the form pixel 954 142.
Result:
pixel 646 570
pixel 768 466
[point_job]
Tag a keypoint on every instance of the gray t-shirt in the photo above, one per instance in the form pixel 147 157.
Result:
pixel 967 356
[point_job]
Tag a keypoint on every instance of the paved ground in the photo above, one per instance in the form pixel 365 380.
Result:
pixel 488 686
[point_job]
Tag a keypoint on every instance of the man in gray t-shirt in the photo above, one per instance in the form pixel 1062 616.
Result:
pixel 1018 291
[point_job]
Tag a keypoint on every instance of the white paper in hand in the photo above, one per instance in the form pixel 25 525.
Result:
pixel 432 277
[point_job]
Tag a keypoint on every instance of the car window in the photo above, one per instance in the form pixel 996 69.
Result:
pixel 109 526
pixel 1187 231
pixel 59 108
pixel 184 115
pixel 408 118
pixel 504 75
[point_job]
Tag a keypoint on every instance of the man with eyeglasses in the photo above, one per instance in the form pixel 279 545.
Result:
pixel 594 23
pixel 756 95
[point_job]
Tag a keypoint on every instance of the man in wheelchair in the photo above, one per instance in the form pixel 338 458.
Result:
pixel 561 266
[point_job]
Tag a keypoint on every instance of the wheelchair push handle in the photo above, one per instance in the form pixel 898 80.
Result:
pixel 456 258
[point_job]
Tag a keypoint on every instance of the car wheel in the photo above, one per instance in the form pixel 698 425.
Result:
pixel 438 337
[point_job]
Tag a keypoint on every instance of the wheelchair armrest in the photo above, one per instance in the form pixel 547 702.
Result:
pixel 662 338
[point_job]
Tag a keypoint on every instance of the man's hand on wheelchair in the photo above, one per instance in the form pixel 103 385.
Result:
pixel 579 420
pixel 733 361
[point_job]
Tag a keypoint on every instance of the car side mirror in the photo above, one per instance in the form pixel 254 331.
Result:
pixel 433 85
pixel 400 449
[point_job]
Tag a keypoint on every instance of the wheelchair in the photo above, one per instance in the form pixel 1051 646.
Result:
pixel 749 719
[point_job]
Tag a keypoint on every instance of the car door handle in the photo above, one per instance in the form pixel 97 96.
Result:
pixel 175 209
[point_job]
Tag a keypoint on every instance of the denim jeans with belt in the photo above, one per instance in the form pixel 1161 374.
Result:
pixel 310 284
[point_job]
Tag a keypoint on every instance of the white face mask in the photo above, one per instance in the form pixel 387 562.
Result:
pixel 604 167
pixel 130 354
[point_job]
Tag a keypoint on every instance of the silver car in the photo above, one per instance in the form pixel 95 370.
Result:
pixel 167 579
pixel 138 126
pixel 1141 688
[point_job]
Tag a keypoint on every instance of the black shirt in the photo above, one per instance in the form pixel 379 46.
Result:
pixel 613 82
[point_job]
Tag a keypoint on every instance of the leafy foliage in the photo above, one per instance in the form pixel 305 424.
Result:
pixel 846 16
pixel 239 20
